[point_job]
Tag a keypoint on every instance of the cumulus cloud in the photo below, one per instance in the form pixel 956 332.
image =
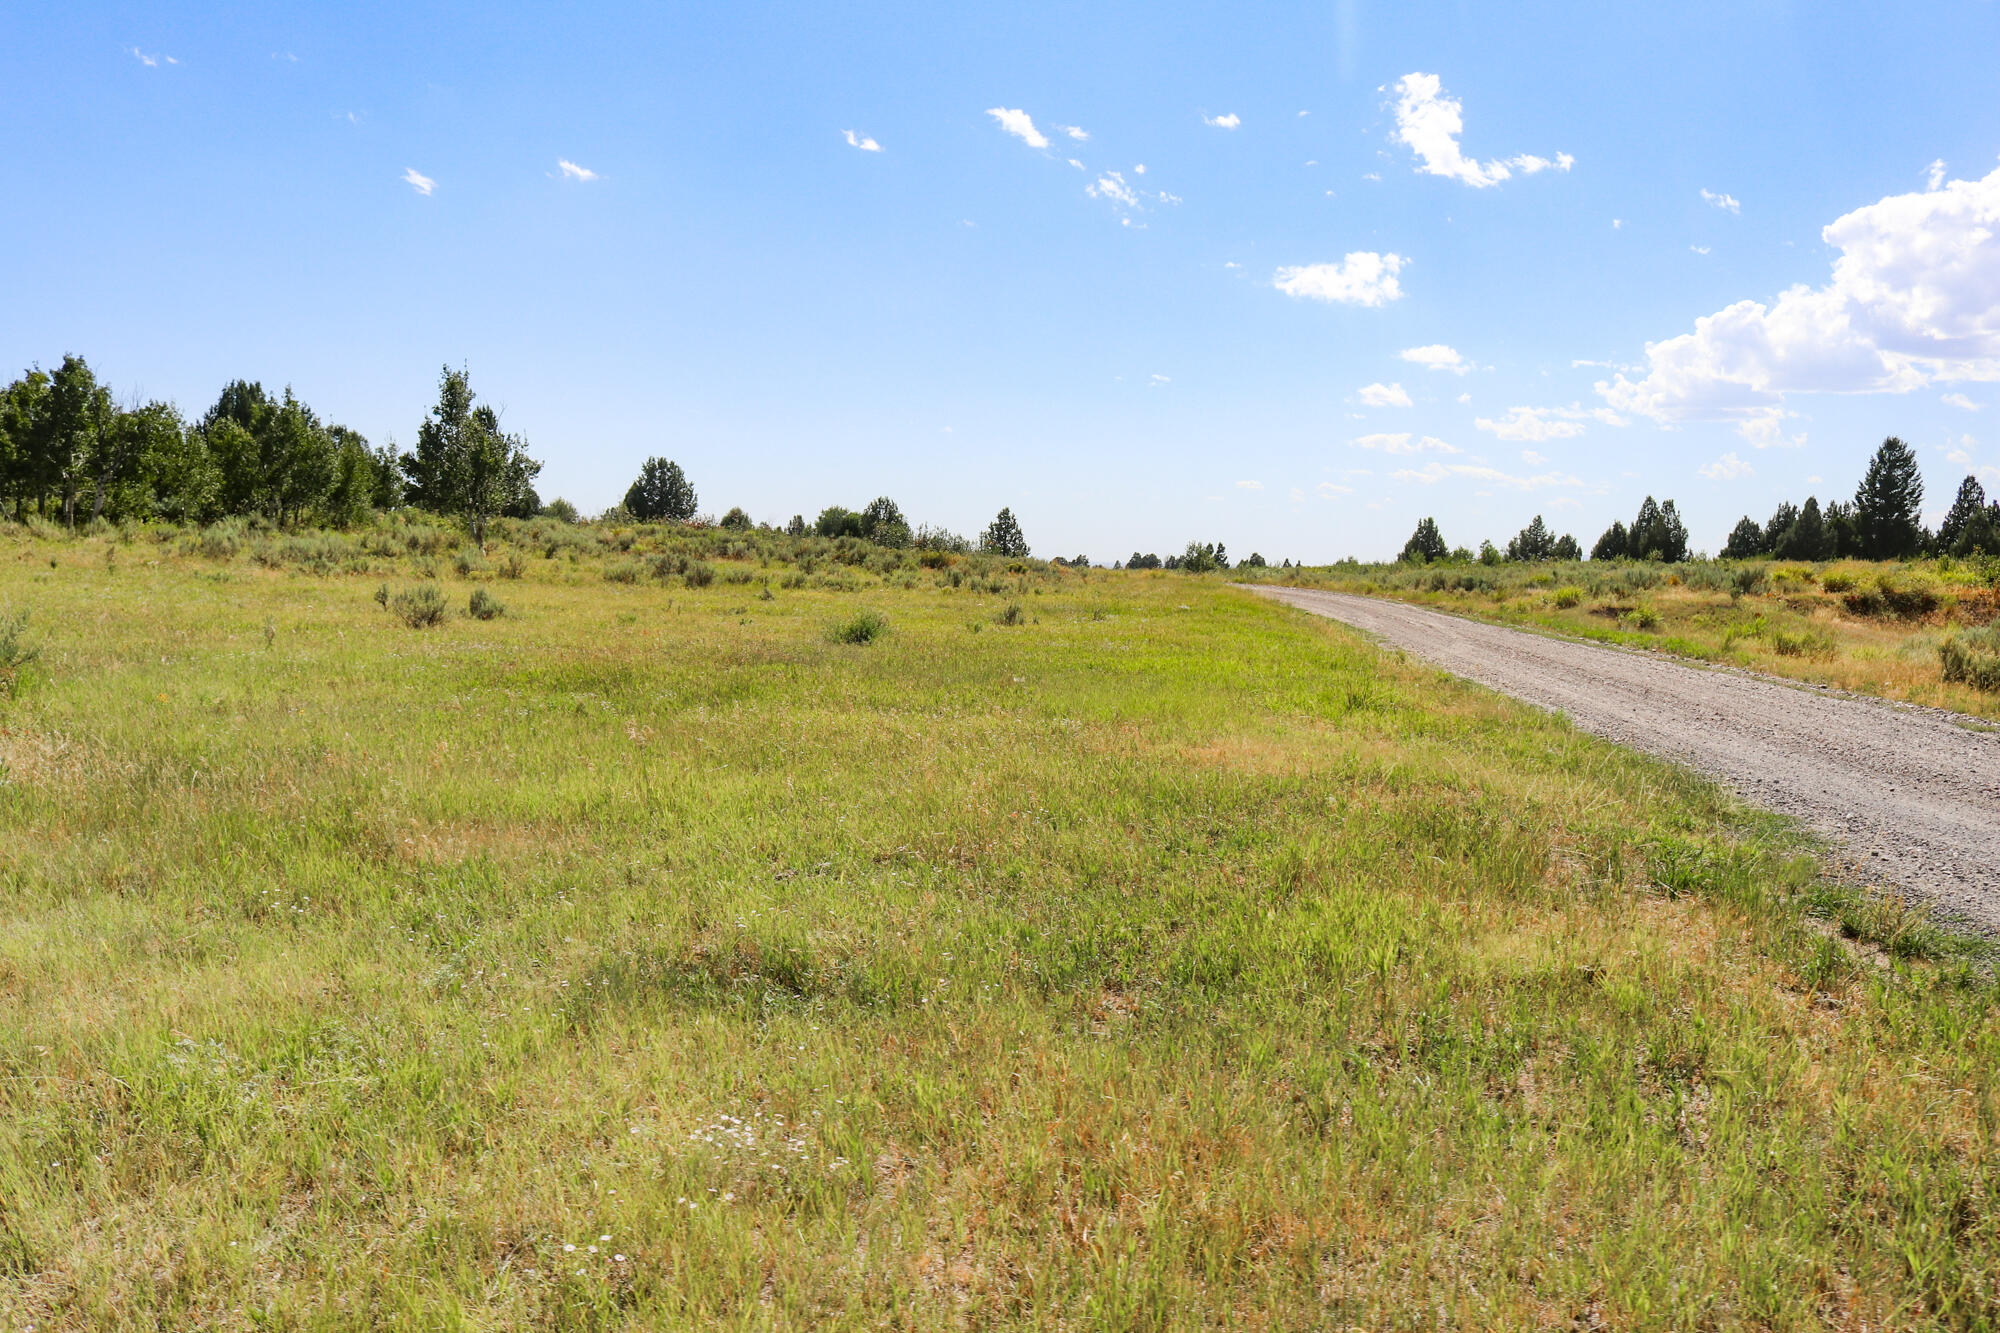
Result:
pixel 1384 395
pixel 1727 468
pixel 1533 425
pixel 1934 175
pixel 1913 299
pixel 569 170
pixel 1330 489
pixel 1436 356
pixel 861 141
pixel 1076 132
pixel 1228 122
pixel 1112 186
pixel 1020 125
pixel 417 181
pixel 1361 278
pixel 1429 123
pixel 1533 459
pixel 1249 485
pixel 1960 400
pixel 1722 201
pixel 1403 442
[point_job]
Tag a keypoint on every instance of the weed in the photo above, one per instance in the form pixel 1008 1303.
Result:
pixel 1567 596
pixel 1010 614
pixel 864 626
pixel 1972 657
pixel 484 605
pixel 15 651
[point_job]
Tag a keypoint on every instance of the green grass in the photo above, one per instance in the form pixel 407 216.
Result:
pixel 1165 958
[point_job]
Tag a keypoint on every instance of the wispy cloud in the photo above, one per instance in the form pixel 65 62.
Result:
pixel 1403 442
pixel 1361 278
pixel 150 62
pixel 417 181
pixel 570 171
pixel 1384 395
pixel 861 141
pixel 1436 356
pixel 1727 203
pixel 1020 125
pixel 1727 468
pixel 1533 425
pixel 1228 122
pixel 1428 123
pixel 1249 485
pixel 1434 472
pixel 1699 249
pixel 1076 132
pixel 1112 186
pixel 1960 400
pixel 1934 175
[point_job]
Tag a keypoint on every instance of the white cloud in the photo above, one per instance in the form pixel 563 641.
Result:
pixel 150 62
pixel 1617 223
pixel 1228 122
pixel 1078 165
pixel 417 181
pixel 1434 472
pixel 1960 400
pixel 1249 485
pixel 861 141
pixel 1018 124
pixel 1075 132
pixel 1533 425
pixel 1428 123
pixel 1166 198
pixel 1533 459
pixel 1330 489
pixel 1160 379
pixel 1384 395
pixel 1436 356
pixel 1699 249
pixel 569 169
pixel 1362 278
pixel 1934 176
pixel 1402 442
pixel 1112 186
pixel 1139 170
pixel 1767 431
pixel 1727 203
pixel 1465 398
pixel 1727 468
pixel 1914 299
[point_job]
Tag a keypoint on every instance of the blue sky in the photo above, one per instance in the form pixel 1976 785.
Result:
pixel 344 198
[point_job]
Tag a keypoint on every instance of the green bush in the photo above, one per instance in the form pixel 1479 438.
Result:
pixel 419 607
pixel 700 574
pixel 1838 580
pixel 1801 643
pixel 625 571
pixel 863 626
pixel 1643 617
pixel 1972 658
pixel 1010 615
pixel 484 605
pixel 1568 597
pixel 1908 596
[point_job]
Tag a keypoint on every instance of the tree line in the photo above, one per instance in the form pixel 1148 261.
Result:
pixel 70 452
pixel 1883 522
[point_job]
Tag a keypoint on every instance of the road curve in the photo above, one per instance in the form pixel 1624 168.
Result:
pixel 1911 797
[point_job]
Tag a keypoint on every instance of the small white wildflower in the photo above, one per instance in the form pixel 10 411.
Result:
pixel 617 1258
pixel 569 1247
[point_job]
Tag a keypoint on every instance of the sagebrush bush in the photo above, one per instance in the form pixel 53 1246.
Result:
pixel 699 574
pixel 625 571
pixel 1838 580
pixel 1801 643
pixel 1008 615
pixel 1568 597
pixel 484 605
pixel 1972 657
pixel 419 607
pixel 863 626
pixel 1643 617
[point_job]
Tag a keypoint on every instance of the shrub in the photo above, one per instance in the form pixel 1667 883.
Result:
pixel 1009 615
pixel 419 607
pixel 1801 643
pixel 1906 595
pixel 469 561
pixel 1972 658
pixel 1745 580
pixel 700 574
pixel 484 605
pixel 863 626
pixel 625 571
pixel 1568 597
pixel 1643 617
pixel 1838 580
pixel 511 567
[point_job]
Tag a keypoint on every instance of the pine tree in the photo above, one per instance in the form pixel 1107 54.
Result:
pixel 1003 536
pixel 1746 540
pixel 1888 503
pixel 1966 512
pixel 1615 544
pixel 1425 545
pixel 1534 542
pixel 662 494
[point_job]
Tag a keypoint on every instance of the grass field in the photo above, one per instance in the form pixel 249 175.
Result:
pixel 1873 628
pixel 1145 956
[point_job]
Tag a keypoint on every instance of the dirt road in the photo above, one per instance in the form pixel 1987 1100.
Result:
pixel 1911 797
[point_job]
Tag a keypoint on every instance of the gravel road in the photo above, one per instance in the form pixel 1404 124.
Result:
pixel 1909 796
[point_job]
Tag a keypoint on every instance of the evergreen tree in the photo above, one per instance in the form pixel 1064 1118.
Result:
pixel 662 493
pixel 1746 540
pixel 1657 533
pixel 1968 510
pixel 1778 530
pixel 1534 542
pixel 1807 538
pixel 882 522
pixel 1425 545
pixel 464 464
pixel 1003 536
pixel 1615 544
pixel 838 521
pixel 1888 504
pixel 797 527
pixel 1567 548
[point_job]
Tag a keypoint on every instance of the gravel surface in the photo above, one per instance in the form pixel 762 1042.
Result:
pixel 1909 797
